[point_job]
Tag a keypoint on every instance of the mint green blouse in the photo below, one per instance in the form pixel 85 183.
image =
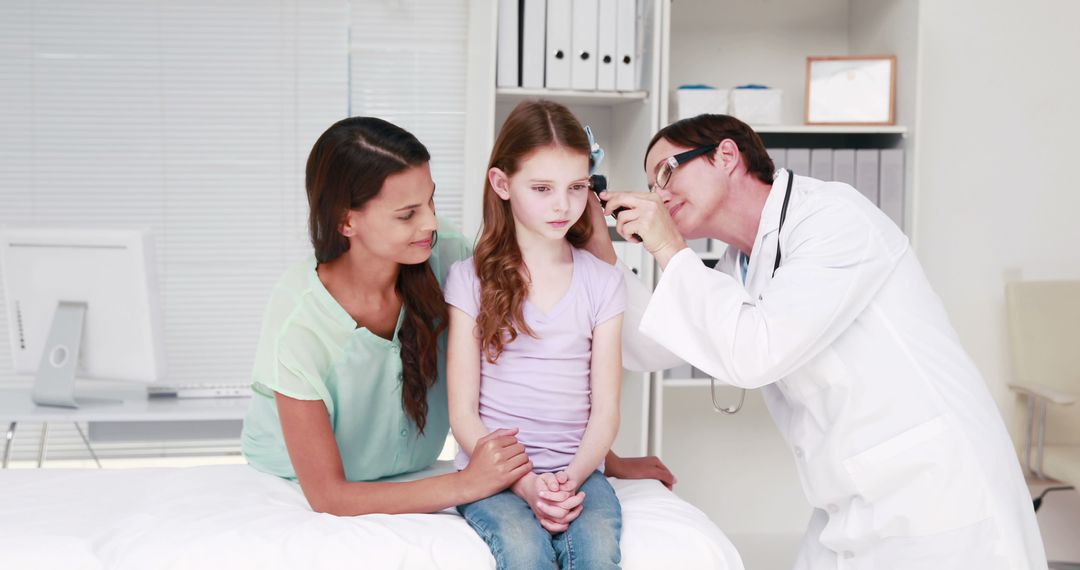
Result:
pixel 311 349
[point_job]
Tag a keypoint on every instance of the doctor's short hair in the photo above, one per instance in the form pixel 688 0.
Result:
pixel 706 129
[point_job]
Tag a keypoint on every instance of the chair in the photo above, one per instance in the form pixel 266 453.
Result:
pixel 1044 328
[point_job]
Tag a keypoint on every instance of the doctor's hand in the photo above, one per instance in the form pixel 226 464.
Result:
pixel 647 217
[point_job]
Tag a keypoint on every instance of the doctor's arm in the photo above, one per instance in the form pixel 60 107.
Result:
pixel 835 262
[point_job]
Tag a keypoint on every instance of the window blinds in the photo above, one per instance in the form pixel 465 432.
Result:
pixel 195 119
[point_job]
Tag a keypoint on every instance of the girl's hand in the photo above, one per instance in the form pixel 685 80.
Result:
pixel 497 461
pixel 555 517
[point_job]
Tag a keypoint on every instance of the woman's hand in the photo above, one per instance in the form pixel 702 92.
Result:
pixel 646 217
pixel 497 461
pixel 639 468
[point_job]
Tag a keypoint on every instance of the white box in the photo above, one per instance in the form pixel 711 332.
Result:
pixel 756 106
pixel 694 102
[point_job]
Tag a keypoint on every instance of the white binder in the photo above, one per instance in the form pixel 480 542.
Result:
pixel 843 165
pixel 821 163
pixel 606 46
pixel 891 197
pixel 584 29
pixel 507 58
pixel 626 63
pixel 866 173
pixel 533 38
pixel 559 24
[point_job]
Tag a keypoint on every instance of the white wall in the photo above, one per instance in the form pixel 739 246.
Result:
pixel 997 139
pixel 881 27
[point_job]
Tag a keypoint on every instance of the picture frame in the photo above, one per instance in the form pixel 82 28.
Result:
pixel 851 90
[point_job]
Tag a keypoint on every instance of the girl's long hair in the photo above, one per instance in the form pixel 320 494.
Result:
pixel 504 282
pixel 346 169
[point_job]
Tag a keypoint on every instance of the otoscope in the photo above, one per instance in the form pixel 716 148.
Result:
pixel 598 182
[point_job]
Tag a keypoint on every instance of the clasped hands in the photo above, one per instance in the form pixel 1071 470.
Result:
pixel 553 497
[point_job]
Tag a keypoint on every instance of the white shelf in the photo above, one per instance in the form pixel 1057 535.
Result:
pixel 569 97
pixel 833 129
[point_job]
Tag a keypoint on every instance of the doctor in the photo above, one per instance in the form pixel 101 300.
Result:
pixel 821 303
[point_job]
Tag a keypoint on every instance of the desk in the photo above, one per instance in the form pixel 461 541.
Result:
pixel 16 405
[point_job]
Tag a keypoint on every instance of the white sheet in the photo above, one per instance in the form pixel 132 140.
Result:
pixel 235 517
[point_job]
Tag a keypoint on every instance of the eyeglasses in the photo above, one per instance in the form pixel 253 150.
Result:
pixel 668 166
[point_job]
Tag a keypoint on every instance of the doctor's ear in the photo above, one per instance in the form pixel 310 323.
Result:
pixel 500 182
pixel 728 156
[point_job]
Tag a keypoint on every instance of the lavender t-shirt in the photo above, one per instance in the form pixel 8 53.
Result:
pixel 541 385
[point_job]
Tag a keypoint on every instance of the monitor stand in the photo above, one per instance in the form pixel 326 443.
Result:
pixel 55 382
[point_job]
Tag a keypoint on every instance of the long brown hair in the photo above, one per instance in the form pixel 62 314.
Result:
pixel 504 286
pixel 346 169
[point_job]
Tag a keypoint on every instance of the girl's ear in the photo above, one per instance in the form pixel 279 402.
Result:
pixel 500 182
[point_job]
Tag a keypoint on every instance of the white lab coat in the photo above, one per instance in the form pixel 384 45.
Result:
pixel 899 445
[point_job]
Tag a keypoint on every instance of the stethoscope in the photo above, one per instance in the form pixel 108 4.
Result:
pixel 731 410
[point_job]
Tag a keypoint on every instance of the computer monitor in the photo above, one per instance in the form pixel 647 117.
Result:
pixel 81 303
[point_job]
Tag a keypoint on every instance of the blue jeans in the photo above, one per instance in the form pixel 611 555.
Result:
pixel 517 541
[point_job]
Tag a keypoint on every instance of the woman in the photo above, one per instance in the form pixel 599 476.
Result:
pixel 349 373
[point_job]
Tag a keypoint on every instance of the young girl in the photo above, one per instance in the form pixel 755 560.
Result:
pixel 535 325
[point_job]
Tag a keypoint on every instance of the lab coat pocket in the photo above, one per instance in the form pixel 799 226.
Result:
pixel 923 481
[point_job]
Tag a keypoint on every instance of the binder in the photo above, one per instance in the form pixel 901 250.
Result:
pixel 557 60
pixel 584 29
pixel 507 58
pixel 821 163
pixel 533 22
pixel 606 45
pixel 778 156
pixel 626 39
pixel 891 189
pixel 798 161
pixel 843 165
pixel 866 173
